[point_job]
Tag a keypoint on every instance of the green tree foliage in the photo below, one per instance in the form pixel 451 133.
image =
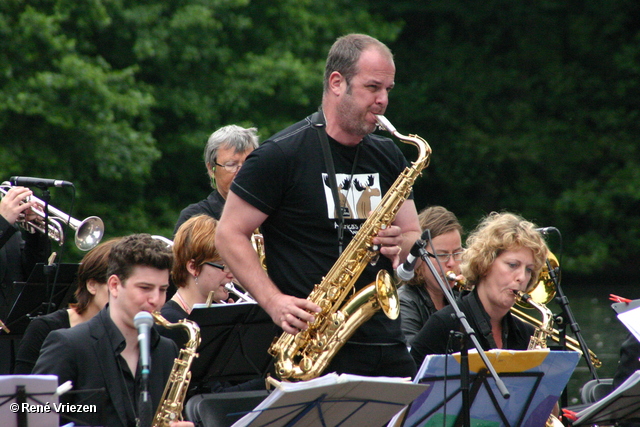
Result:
pixel 530 107
pixel 120 96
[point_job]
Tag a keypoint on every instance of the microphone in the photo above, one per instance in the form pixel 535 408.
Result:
pixel 27 181
pixel 143 321
pixel 405 271
pixel 546 230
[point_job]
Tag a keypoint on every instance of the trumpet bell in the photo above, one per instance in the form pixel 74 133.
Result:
pixel 89 233
pixel 545 289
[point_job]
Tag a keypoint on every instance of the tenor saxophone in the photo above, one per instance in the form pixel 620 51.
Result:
pixel 172 401
pixel 305 355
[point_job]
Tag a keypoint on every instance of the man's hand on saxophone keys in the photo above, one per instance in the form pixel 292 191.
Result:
pixel 389 240
pixel 290 313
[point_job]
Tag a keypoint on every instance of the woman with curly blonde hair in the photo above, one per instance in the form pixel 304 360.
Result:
pixel 504 254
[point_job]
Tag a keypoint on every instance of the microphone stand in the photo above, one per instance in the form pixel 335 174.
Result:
pixel 566 317
pixel 145 414
pixel 48 268
pixel 464 354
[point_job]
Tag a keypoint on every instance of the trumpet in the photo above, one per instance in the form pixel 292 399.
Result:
pixel 89 232
pixel 244 296
pixel 570 342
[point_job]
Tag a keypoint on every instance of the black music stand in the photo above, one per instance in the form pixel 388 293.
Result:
pixel 28 390
pixel 620 406
pixel 333 400
pixel 535 378
pixel 235 342
pixel 42 293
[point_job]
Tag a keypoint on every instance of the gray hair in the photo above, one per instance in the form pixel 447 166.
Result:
pixel 236 137
pixel 344 55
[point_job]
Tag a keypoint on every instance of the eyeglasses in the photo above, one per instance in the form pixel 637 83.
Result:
pixel 457 256
pixel 220 266
pixel 231 167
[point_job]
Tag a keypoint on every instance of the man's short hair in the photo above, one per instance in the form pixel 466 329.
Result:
pixel 344 55
pixel 138 250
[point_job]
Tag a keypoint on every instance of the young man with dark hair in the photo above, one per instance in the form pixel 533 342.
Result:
pixel 100 357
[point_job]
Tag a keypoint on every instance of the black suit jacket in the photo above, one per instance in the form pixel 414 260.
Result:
pixel 17 258
pixel 88 355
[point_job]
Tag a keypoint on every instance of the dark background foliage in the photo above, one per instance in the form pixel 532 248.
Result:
pixel 530 107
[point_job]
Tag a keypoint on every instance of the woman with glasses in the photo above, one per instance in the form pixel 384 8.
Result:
pixel 224 154
pixel 422 296
pixel 504 254
pixel 197 271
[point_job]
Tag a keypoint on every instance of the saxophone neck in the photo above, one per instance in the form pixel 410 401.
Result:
pixel 192 328
pixel 424 149
pixel 545 329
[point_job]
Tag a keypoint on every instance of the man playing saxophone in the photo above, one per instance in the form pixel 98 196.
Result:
pixel 285 189
pixel 101 356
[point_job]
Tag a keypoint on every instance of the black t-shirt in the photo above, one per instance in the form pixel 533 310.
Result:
pixel 34 336
pixel 172 311
pixel 211 206
pixel 286 179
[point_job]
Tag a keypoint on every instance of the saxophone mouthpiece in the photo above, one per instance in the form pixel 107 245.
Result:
pixel 461 284
pixel 385 124
pixel 523 296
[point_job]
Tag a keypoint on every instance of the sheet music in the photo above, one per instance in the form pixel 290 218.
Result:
pixel 535 379
pixel 348 400
pixel 619 405
pixel 40 391
pixel 631 319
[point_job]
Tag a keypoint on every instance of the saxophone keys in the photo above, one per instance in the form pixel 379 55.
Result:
pixel 306 364
pixel 332 293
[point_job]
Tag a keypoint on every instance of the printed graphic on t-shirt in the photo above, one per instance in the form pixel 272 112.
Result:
pixel 358 194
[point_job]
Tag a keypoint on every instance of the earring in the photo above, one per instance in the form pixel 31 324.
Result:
pixel 196 280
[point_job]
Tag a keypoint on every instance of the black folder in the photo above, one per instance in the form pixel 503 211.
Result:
pixel 235 342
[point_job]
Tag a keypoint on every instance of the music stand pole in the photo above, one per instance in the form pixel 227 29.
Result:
pixel 470 333
pixel 464 382
pixel 567 314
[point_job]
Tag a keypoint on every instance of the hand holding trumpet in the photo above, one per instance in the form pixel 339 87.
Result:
pixel 13 205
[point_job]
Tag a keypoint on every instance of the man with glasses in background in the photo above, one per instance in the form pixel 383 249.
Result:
pixel 224 154
pixel 422 295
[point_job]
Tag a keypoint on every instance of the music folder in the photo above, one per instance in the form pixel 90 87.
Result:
pixel 235 342
pixel 629 315
pixel 535 380
pixel 621 405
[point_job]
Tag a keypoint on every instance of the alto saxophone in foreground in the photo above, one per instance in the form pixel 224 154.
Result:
pixel 172 401
pixel 305 355
pixel 539 338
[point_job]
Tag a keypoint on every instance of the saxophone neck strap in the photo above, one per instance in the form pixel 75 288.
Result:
pixel 318 122
pixel 480 317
